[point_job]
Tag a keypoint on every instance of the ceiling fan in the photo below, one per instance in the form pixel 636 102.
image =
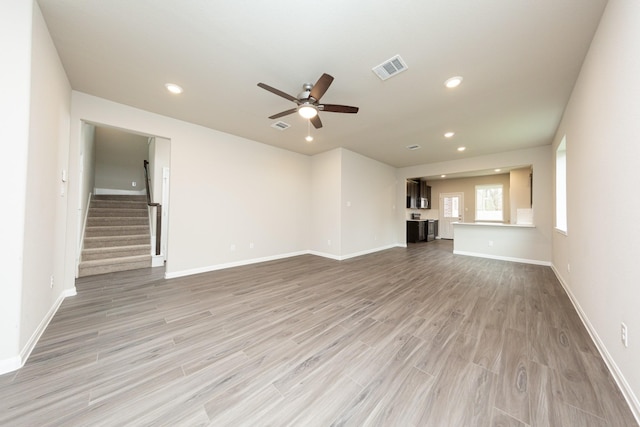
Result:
pixel 308 101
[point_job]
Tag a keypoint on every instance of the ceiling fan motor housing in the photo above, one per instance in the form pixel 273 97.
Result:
pixel 306 91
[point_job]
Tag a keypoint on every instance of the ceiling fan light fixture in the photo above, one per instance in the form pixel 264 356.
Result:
pixel 308 111
pixel 449 134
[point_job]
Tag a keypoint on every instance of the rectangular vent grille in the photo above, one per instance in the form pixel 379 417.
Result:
pixel 413 147
pixel 390 68
pixel 280 125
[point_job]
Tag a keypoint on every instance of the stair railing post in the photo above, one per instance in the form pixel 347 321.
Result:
pixel 158 227
pixel 158 207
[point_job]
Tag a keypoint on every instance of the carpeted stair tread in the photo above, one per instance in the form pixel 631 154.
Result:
pixel 98 221
pixel 110 241
pixel 115 230
pixel 123 260
pixel 119 212
pixel 134 204
pixel 121 197
pixel 109 265
pixel 116 235
pixel 115 252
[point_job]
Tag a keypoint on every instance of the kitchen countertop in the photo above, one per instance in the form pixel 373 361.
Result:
pixel 495 224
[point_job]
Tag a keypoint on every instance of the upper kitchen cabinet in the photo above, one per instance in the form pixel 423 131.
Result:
pixel 413 193
pixel 425 195
pixel 418 194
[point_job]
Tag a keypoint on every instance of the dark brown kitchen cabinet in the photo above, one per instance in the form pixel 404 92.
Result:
pixel 416 231
pixel 425 195
pixel 413 192
pixel 418 194
pixel 422 231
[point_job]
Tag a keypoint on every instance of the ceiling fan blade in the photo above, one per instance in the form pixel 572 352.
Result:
pixel 316 122
pixel 321 86
pixel 278 92
pixel 333 108
pixel 284 113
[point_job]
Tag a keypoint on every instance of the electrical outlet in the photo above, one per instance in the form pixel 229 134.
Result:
pixel 232 248
pixel 328 242
pixel 251 245
pixel 133 183
pixel 624 335
pixel 51 281
pixel 490 242
pixel 568 268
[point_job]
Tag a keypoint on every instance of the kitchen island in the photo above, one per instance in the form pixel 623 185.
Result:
pixel 510 242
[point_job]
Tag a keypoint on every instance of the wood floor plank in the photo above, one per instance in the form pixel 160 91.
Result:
pixel 410 336
pixel 513 382
pixel 500 419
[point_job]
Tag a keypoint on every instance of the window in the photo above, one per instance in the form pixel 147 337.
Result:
pixel 561 185
pixel 489 202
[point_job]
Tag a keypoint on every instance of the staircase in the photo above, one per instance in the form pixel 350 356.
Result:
pixel 116 236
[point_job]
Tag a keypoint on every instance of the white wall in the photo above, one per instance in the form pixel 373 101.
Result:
pixel 40 247
pixel 519 191
pixel 501 241
pixel 15 45
pixel 367 197
pixel 325 213
pixel 226 191
pixel 602 125
pixel 159 158
pixel 352 204
pixel 119 160
pixel 86 164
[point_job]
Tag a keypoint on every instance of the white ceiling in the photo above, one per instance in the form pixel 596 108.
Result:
pixel 519 60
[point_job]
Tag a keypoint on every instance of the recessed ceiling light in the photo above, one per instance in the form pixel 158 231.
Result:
pixel 453 82
pixel 174 88
pixel 497 170
pixel 443 176
pixel 308 138
pixel 462 148
pixel 413 147
pixel 449 134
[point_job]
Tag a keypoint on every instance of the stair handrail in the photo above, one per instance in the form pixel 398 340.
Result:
pixel 158 207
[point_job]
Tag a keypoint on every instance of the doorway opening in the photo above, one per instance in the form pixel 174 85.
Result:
pixel 123 169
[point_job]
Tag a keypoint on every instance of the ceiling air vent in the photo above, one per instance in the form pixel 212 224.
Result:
pixel 413 147
pixel 280 125
pixel 390 68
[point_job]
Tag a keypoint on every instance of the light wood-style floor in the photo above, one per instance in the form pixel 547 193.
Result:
pixel 404 337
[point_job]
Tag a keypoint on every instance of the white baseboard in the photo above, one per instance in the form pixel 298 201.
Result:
pixel 504 258
pixel 115 191
pixel 325 255
pixel 9 365
pixel 182 273
pixel 623 385
pixel 357 254
pixel 18 361
pixel 157 260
